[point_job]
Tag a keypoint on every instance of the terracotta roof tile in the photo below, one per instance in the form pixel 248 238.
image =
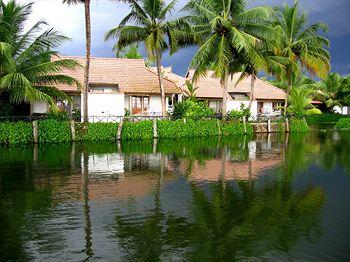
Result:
pixel 131 75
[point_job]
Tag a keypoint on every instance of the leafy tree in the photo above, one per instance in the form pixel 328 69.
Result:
pixel 227 32
pixel 300 102
pixel 27 73
pixel 151 26
pixel 302 44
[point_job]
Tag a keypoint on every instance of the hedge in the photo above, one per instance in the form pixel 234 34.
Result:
pixel 323 118
pixel 232 128
pixel 97 132
pixel 180 129
pixel 54 131
pixel 298 126
pixel 137 130
pixel 343 123
pixel 16 133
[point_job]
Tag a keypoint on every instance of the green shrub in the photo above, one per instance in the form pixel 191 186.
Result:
pixel 54 131
pixel 97 132
pixel 192 128
pixel 16 133
pixel 343 123
pixel 192 108
pixel 137 130
pixel 60 116
pixel 323 118
pixel 238 114
pixel 298 126
pixel 232 128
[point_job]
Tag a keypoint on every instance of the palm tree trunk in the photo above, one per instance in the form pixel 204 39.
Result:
pixel 252 84
pixel 288 92
pixel 224 84
pixel 161 86
pixel 87 60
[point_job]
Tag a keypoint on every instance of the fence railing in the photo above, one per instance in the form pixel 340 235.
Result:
pixel 137 118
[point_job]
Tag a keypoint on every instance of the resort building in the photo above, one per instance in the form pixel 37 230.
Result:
pixel 268 99
pixel 117 86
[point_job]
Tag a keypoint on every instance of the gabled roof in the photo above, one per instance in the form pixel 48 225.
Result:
pixel 209 87
pixel 131 75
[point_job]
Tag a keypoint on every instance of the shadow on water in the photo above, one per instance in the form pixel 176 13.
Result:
pixel 200 199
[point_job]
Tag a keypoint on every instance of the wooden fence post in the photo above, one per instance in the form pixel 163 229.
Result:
pixel 35 132
pixel 72 129
pixel 155 131
pixel 120 128
pixel 269 125
pixel 219 127
pixel 287 125
pixel 244 125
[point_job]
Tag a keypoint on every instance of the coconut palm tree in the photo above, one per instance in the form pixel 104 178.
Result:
pixel 300 101
pixel 131 52
pixel 27 72
pixel 227 31
pixel 151 26
pixel 87 52
pixel 302 44
pixel 190 93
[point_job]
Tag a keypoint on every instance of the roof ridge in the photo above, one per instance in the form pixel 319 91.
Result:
pixel 269 84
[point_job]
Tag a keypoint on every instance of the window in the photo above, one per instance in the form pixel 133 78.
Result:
pixel 139 104
pixel 239 96
pixel 103 89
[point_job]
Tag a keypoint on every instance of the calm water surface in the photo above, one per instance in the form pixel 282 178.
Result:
pixel 263 198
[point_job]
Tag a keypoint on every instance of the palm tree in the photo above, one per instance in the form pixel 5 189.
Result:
pixel 329 90
pixel 191 91
pixel 87 52
pixel 302 44
pixel 131 52
pixel 151 26
pixel 227 32
pixel 27 72
pixel 300 101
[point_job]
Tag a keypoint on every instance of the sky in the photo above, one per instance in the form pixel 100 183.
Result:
pixel 106 14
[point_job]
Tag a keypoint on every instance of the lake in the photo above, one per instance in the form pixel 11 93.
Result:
pixel 267 197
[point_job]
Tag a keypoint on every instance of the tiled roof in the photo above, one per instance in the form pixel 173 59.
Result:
pixel 131 75
pixel 209 87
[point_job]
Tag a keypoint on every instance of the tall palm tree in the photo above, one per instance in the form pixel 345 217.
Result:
pixel 227 31
pixel 303 45
pixel 87 53
pixel 27 72
pixel 151 26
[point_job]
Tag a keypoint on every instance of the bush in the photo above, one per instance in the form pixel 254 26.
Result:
pixel 60 116
pixel 54 131
pixel 16 133
pixel 243 112
pixel 98 132
pixel 232 128
pixel 191 108
pixel 137 130
pixel 323 118
pixel 177 128
pixel 343 123
pixel 298 126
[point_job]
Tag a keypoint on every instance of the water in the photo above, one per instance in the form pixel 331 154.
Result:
pixel 270 197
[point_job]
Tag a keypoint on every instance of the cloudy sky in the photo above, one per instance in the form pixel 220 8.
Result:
pixel 107 14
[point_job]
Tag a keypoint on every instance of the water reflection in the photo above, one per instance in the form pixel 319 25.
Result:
pixel 202 200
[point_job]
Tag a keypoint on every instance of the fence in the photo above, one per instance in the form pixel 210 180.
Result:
pixel 136 118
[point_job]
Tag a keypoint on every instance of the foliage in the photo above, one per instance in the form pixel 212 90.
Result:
pixel 323 118
pixel 298 126
pixel 231 128
pixel 98 132
pixel 190 92
pixel 300 102
pixel 343 123
pixel 27 72
pixel 16 133
pixel 192 128
pixel 137 130
pixel 191 108
pixel 60 116
pixel 130 52
pixel 242 112
pixel 54 131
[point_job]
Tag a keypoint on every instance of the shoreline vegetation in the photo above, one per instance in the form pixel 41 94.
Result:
pixel 56 131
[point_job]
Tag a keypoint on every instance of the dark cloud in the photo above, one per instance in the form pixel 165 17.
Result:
pixel 335 13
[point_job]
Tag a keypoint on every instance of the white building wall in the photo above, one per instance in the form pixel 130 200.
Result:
pixel 155 105
pixel 236 105
pixel 344 110
pixel 39 107
pixel 104 105
pixel 267 107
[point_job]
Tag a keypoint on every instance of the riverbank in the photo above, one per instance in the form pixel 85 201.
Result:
pixel 55 131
